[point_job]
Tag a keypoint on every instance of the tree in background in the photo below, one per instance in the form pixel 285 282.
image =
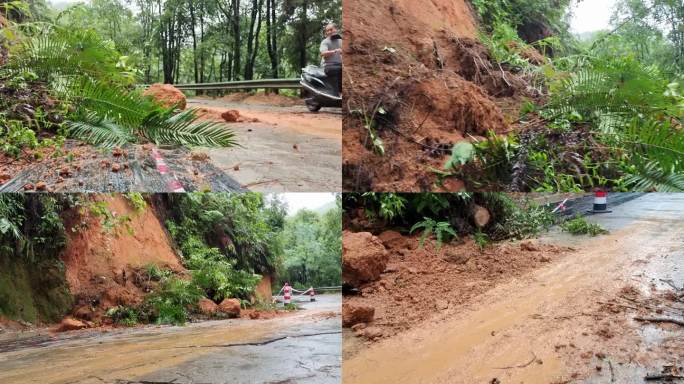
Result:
pixel 312 244
pixel 210 40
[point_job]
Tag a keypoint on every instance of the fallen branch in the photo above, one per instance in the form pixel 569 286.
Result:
pixel 612 372
pixel 660 320
pixel 663 377
pixel 534 357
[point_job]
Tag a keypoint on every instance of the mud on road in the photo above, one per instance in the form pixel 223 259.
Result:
pixel 571 319
pixel 301 348
pixel 287 149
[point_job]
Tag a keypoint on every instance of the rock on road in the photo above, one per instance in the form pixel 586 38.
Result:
pixel 550 326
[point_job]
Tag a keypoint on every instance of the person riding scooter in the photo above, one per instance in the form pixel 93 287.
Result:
pixel 331 56
pixel 322 86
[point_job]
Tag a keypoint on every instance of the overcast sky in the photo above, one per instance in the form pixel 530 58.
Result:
pixel 297 201
pixel 592 15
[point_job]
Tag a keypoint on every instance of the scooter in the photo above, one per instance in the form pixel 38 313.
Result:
pixel 319 93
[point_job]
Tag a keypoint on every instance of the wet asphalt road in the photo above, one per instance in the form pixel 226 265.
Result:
pixel 304 347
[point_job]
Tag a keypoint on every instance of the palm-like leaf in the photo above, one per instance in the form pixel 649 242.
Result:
pixel 184 129
pixel 100 131
pixel 112 102
pixel 651 177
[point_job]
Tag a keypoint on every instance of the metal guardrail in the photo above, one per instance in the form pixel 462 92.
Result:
pixel 246 84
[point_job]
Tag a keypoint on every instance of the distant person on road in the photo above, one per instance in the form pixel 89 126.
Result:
pixel 331 55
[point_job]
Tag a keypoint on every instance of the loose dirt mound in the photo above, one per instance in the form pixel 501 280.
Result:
pixel 263 99
pixel 104 267
pixel 421 283
pixel 415 70
pixel 166 95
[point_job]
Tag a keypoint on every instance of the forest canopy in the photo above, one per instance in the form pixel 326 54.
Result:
pixel 201 41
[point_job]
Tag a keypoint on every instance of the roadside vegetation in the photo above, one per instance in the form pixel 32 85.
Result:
pixel 75 72
pixel 609 110
pixel 580 226
pixel 446 217
pixel 226 243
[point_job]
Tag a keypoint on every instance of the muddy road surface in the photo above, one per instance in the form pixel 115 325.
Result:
pixel 570 321
pixel 288 149
pixel 300 348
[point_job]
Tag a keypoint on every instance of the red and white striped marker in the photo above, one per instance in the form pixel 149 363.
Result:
pixel 287 294
pixel 600 202
pixel 173 184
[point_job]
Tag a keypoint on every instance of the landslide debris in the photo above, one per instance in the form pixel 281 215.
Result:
pixel 363 258
pixel 417 82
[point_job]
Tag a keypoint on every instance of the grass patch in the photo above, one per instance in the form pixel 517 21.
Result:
pixel 580 226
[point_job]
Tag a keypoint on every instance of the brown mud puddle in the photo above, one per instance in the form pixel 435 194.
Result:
pixel 549 326
pixel 135 354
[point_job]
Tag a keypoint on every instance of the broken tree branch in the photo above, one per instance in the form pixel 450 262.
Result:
pixel 660 320
pixel 534 357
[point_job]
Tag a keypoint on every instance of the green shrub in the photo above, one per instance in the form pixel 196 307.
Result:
pixel 442 230
pixel 123 315
pixel 580 226
pixel 157 274
pixel 481 239
pixel 219 279
pixel 171 304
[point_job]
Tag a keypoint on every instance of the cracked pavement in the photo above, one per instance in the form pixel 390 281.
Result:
pixel 304 347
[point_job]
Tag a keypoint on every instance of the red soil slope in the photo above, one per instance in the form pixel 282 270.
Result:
pixel 103 267
pixel 421 62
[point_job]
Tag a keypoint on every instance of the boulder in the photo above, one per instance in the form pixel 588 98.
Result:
pixel 373 333
pixel 392 239
pixel 70 324
pixel 166 95
pixel 441 305
pixel 481 216
pixel 207 307
pixel 84 312
pixel 529 246
pixel 353 314
pixel 231 116
pixel 364 258
pixel 230 307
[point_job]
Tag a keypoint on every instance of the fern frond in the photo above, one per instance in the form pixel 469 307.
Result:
pixel 183 129
pixel 651 177
pixel 98 130
pixel 113 103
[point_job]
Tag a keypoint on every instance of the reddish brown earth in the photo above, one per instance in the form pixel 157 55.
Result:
pixel 105 268
pixel 54 158
pixel 262 99
pixel 419 282
pixel 420 62
pixel 166 95
pixel 528 312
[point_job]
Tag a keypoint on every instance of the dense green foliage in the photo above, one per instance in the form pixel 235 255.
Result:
pixel 242 227
pixel 449 215
pixel 32 283
pixel 87 74
pixel 312 249
pixel 204 41
pixel 580 226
